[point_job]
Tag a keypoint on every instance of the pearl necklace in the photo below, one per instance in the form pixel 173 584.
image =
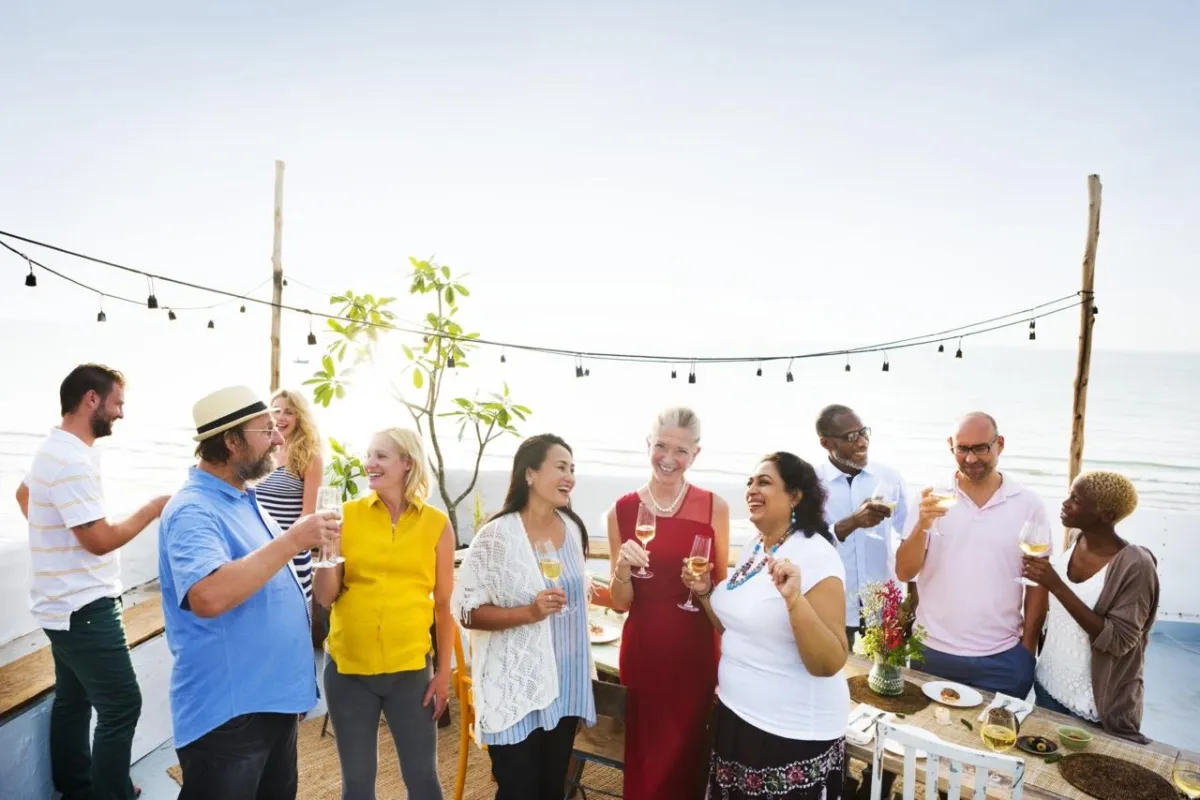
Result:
pixel 669 510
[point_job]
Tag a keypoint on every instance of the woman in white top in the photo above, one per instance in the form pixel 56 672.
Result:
pixel 531 654
pixel 782 700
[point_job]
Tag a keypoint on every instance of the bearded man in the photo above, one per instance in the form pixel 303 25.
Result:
pixel 235 613
pixel 76 590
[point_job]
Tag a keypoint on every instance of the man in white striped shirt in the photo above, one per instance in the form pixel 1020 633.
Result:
pixel 76 591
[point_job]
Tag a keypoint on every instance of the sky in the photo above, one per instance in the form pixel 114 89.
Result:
pixel 689 178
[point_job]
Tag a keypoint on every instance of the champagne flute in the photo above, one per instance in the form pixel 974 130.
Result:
pixel 1186 775
pixel 329 501
pixel 945 491
pixel 697 563
pixel 549 563
pixel 644 531
pixel 885 495
pixel 1033 541
pixel 999 733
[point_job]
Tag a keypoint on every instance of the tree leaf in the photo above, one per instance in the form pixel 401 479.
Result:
pixel 446 272
pixel 408 353
pixel 450 295
pixel 341 391
pixel 458 287
pixel 327 363
pixel 418 378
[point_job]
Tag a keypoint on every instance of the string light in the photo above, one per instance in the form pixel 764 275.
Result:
pixel 758 372
pixel 673 374
pixel 1032 330
pixel 312 337
pixel 692 373
pixel 941 347
pixel 450 362
pixel 151 301
pixel 30 279
pixel 211 325
pixel 789 373
pixel 887 366
pixel 101 317
pixel 958 352
pixel 171 315
pixel 503 358
pixel 973 329
pixel 243 309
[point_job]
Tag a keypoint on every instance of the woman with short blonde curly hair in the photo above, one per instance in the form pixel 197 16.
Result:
pixel 1104 594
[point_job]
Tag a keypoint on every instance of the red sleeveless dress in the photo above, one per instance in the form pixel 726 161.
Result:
pixel 668 661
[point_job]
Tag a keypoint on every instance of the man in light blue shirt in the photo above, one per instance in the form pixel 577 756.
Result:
pixel 865 506
pixel 236 619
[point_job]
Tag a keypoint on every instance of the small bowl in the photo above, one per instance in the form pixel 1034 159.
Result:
pixel 1073 738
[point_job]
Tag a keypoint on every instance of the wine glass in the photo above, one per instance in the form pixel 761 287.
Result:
pixel 644 531
pixel 999 733
pixel 886 495
pixel 549 563
pixel 1034 541
pixel 1186 775
pixel 945 491
pixel 697 563
pixel 329 501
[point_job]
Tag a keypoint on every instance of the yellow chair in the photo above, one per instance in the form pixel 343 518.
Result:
pixel 460 680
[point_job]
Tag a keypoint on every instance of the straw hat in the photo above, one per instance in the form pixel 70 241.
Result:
pixel 225 409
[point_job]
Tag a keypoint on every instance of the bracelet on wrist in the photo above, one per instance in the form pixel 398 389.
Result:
pixel 619 579
pixel 711 586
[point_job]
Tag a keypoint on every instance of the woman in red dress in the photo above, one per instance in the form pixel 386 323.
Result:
pixel 668 655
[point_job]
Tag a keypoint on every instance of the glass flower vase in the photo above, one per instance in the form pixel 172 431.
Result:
pixel 885 679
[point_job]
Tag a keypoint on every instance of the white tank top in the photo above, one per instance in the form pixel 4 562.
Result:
pixel 1065 666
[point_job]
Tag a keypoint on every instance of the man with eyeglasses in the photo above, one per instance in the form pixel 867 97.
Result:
pixel 865 505
pixel 982 624
pixel 236 618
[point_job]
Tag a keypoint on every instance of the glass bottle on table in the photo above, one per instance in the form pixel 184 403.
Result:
pixel 644 531
pixel 697 564
pixel 329 501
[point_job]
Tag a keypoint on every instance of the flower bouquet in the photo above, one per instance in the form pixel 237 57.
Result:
pixel 890 636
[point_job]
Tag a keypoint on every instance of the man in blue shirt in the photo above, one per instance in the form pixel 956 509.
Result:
pixel 236 620
pixel 865 507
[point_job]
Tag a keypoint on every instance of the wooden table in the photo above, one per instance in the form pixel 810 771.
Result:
pixel 1041 780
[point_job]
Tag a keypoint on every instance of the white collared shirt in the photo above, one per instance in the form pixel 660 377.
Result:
pixel 868 554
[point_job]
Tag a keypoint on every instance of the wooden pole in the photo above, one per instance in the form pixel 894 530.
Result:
pixel 1087 318
pixel 277 273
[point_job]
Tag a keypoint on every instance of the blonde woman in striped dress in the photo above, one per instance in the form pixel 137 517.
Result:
pixel 291 490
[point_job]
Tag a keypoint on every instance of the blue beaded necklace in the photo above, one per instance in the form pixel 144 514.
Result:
pixel 749 569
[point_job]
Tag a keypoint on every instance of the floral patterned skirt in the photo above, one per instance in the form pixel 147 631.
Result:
pixel 748 762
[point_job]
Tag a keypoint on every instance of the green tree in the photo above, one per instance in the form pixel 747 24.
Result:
pixel 436 345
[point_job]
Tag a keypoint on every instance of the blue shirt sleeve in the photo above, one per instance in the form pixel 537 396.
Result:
pixel 195 549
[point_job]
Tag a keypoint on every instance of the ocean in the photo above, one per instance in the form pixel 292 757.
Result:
pixel 1140 418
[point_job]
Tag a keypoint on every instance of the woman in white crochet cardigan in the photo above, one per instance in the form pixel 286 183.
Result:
pixel 531 655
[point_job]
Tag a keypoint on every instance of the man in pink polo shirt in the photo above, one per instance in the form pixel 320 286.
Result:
pixel 982 625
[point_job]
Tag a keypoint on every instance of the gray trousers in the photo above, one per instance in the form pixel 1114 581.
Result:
pixel 355 703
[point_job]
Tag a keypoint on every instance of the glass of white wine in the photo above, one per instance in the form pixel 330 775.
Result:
pixel 549 563
pixel 1186 775
pixel 697 563
pixel 1034 541
pixel 945 491
pixel 644 531
pixel 885 495
pixel 999 733
pixel 329 501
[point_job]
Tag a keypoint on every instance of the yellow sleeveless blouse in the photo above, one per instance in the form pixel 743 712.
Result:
pixel 380 623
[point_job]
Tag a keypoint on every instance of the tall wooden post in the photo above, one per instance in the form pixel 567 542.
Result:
pixel 277 270
pixel 1087 318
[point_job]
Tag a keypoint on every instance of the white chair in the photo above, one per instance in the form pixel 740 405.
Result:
pixel 935 751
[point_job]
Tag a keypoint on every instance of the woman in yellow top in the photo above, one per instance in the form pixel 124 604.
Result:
pixel 396 580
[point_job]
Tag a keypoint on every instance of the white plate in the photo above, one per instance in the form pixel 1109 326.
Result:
pixel 610 631
pixel 897 749
pixel 967 697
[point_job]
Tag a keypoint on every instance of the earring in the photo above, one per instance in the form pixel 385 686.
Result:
pixel 793 516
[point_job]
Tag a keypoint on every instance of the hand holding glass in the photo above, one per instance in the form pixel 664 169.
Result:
pixel 697 564
pixel 549 563
pixel 1034 541
pixel 644 531
pixel 885 495
pixel 329 501
pixel 946 493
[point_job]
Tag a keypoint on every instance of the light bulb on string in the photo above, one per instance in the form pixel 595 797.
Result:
pixel 151 300
pixel 101 317
pixel 758 372
pixel 847 363
pixel 674 374
pixel 578 369
pixel 243 309
pixel 31 279
pixel 941 347
pixel 211 325
pixel 171 315
pixel 790 378
pixel 958 352
pixel 587 372
pixel 312 337
pixel 503 358
pixel 450 361
pixel 692 374
pixel 887 366
pixel 1032 330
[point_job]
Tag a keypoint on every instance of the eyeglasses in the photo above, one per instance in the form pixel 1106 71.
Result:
pixel 977 449
pixel 852 436
pixel 271 431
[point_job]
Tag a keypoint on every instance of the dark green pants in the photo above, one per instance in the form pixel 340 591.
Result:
pixel 92 669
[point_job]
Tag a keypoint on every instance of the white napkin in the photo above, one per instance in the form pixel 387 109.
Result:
pixel 860 728
pixel 1020 708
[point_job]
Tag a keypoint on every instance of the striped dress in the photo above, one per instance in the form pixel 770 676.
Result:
pixel 572 647
pixel 281 494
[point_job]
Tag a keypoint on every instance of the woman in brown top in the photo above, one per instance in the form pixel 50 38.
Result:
pixel 1103 606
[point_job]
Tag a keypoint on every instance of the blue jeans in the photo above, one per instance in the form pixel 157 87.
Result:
pixel 1010 672
pixel 1046 700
